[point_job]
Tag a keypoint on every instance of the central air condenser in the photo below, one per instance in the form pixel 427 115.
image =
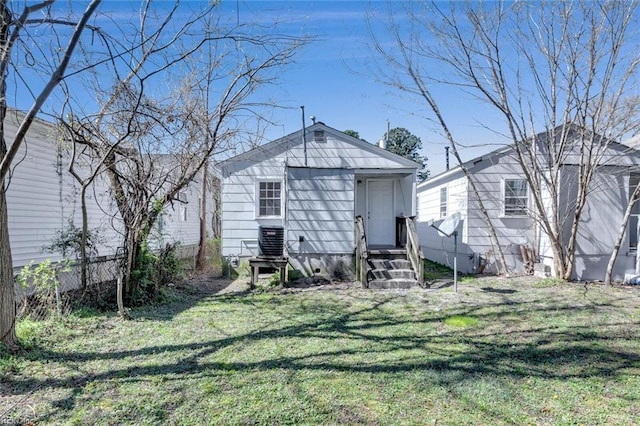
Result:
pixel 270 241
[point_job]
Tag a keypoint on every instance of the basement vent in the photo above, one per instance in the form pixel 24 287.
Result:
pixel 318 136
pixel 270 241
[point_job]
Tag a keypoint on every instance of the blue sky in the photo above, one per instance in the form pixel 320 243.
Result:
pixel 330 76
pixel 330 79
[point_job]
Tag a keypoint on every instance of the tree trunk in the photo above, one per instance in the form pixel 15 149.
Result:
pixel 633 198
pixel 130 281
pixel 202 246
pixel 84 262
pixel 7 295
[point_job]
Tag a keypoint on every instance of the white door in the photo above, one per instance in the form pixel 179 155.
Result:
pixel 380 213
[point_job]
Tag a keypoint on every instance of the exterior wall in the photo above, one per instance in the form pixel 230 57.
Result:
pixel 36 205
pixel 43 197
pixel 239 221
pixel 475 242
pixel 321 197
pixel 435 246
pixel 320 209
pixel 335 152
pixel 180 222
pixel 600 220
pixel 512 231
pixel 429 199
pixel 609 189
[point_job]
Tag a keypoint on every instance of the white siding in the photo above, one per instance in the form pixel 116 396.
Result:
pixel 42 197
pixel 435 246
pixel 329 195
pixel 180 222
pixel 239 221
pixel 336 153
pixel 597 230
pixel 600 222
pixel 512 231
pixel 320 195
pixel 429 199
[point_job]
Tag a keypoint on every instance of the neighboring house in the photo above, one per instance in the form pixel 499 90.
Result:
pixel 506 195
pixel 42 197
pixel 314 190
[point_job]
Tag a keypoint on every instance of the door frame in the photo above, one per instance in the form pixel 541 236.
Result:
pixel 391 219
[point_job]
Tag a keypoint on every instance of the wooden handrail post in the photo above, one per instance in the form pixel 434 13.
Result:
pixel 361 252
pixel 414 251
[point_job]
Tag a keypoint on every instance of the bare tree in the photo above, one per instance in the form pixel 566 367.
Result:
pixel 155 138
pixel 558 75
pixel 13 32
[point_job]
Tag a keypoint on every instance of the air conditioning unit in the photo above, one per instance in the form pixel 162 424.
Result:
pixel 270 241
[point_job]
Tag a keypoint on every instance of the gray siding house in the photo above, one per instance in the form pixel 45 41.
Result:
pixel 314 185
pixel 505 193
pixel 42 197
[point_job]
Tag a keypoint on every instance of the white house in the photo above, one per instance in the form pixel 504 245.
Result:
pixel 314 184
pixel 42 197
pixel 507 198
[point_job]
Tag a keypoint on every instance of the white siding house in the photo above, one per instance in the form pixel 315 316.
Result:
pixel 42 197
pixel 505 194
pixel 314 190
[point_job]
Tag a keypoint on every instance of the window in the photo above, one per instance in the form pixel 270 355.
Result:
pixel 632 227
pixel 318 136
pixel 443 202
pixel 516 197
pixel 269 198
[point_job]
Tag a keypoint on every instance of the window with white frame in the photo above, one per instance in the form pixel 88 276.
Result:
pixel 632 227
pixel 269 198
pixel 516 197
pixel 443 201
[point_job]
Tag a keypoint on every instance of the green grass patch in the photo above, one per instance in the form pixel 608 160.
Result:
pixel 468 280
pixel 461 321
pixel 550 282
pixel 501 352
pixel 435 271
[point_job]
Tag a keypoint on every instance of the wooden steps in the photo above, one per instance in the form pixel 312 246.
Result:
pixel 388 268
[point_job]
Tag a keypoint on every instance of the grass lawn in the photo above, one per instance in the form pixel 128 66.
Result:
pixel 501 351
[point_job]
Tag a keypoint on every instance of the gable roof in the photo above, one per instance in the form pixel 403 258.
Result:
pixel 627 148
pixel 296 138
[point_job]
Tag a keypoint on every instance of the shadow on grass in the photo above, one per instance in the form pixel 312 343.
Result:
pixel 182 298
pixel 376 338
pixel 498 290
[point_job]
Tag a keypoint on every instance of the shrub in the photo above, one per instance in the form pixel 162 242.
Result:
pixel 43 278
pixel 154 271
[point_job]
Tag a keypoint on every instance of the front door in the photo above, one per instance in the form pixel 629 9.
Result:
pixel 380 213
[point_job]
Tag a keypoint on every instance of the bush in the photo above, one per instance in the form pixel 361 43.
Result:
pixel 43 278
pixel 68 241
pixel 154 271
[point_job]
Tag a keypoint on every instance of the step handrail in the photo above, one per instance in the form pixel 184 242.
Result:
pixel 362 253
pixel 414 251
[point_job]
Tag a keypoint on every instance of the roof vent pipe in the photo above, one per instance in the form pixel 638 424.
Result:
pixel 446 156
pixel 382 143
pixel 304 136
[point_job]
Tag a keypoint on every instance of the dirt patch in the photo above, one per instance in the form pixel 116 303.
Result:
pixel 209 284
